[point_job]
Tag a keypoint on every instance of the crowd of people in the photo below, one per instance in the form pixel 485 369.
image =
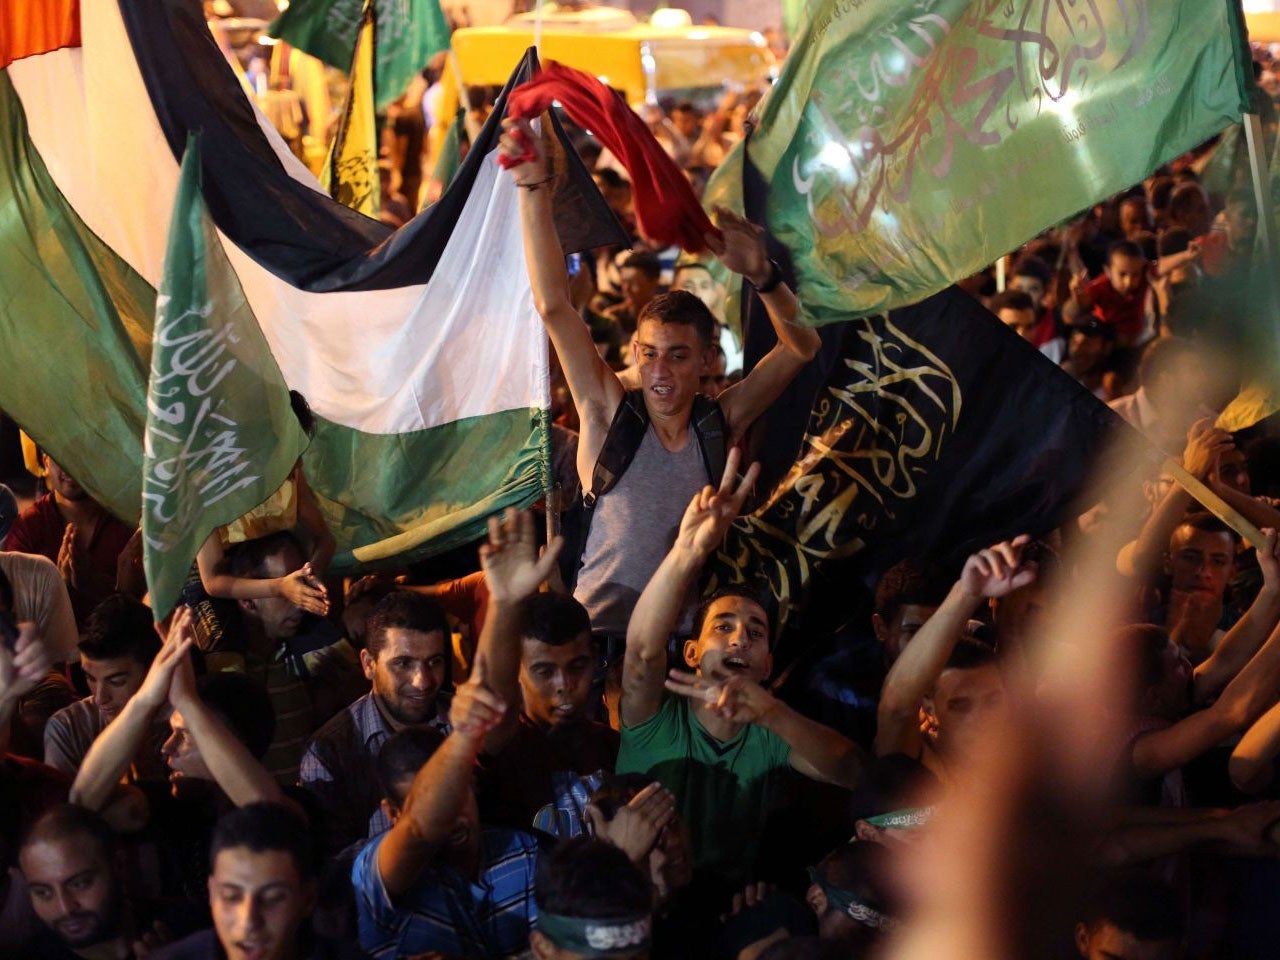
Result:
pixel 569 750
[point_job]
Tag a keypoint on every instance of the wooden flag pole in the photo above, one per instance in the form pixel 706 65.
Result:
pixel 1214 504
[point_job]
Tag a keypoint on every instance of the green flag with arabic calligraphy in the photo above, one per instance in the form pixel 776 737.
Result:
pixel 909 144
pixel 408 34
pixel 221 436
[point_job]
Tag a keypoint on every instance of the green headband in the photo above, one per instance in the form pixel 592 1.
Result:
pixel 902 819
pixel 594 937
pixel 855 908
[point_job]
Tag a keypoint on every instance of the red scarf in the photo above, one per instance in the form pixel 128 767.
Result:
pixel 667 211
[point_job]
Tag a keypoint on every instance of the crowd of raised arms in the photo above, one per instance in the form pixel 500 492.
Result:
pixel 563 747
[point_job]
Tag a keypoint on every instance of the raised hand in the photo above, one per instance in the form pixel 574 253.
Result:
pixel 154 691
pixel 1205 444
pixel 23 667
pixel 741 246
pixel 998 570
pixel 302 589
pixel 67 555
pixel 736 700
pixel 636 827
pixel 512 568
pixel 711 511
pixel 520 152
pixel 475 711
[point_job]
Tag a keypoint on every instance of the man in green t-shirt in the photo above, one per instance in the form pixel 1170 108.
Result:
pixel 715 737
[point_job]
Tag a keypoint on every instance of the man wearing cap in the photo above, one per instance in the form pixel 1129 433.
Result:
pixel 1089 346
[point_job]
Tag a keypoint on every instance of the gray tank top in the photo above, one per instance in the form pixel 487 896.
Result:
pixel 633 527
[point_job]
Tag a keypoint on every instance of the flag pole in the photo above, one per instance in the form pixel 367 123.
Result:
pixel 1260 170
pixel 1214 503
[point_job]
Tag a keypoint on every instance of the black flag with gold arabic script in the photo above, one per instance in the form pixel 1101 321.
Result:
pixel 938 431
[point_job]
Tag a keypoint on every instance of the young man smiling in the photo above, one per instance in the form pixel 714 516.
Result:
pixel 716 738
pixel 657 446
pixel 406 657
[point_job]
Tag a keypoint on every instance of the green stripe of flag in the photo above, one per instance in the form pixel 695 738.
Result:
pixel 75 322
pixel 907 146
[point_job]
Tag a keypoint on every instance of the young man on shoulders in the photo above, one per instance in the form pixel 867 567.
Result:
pixel 716 738
pixel 671 438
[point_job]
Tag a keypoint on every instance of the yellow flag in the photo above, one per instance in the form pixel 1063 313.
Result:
pixel 351 169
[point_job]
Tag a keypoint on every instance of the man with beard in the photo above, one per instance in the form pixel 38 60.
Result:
pixel 77 533
pixel 74 875
pixel 716 738
pixel 406 657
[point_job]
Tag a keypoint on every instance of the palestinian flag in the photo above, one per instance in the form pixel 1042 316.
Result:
pixel 419 349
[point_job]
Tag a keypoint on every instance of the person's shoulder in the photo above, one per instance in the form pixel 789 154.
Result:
pixel 80 715
pixel 16 563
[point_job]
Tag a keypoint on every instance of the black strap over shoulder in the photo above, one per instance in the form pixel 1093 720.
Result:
pixel 626 433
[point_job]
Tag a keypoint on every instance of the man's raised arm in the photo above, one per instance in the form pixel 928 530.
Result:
pixel 994 572
pixel 595 388
pixel 742 250
pixel 514 572
pixel 440 789
pixel 644 668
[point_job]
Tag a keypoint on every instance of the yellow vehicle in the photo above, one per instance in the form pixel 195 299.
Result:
pixel 643 61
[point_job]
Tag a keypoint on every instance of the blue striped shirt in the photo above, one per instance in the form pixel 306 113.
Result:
pixel 445 912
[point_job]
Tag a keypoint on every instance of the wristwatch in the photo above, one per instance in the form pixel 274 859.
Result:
pixel 771 282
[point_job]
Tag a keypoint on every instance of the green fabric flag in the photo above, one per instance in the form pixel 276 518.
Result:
pixel 75 321
pixel 907 145
pixel 220 434
pixel 407 34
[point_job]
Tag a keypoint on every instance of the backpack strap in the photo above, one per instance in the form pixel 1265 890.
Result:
pixel 712 431
pixel 625 435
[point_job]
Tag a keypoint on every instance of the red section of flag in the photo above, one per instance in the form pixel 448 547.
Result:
pixel 666 209
pixel 31 27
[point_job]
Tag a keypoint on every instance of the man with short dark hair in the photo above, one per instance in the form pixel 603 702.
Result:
pixel 438 880
pixel 641 272
pixel 592 902
pixel 666 448
pixel 906 597
pixel 1133 916
pixel 1089 345
pixel 119 644
pixel 75 876
pixel 717 737
pixel 263 879
pixel 536 650
pixel 1016 310
pixel 406 658
pixel 309 670
pixel 955 680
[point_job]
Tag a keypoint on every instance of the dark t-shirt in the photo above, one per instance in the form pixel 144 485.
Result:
pixel 205 946
pixel 537 767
